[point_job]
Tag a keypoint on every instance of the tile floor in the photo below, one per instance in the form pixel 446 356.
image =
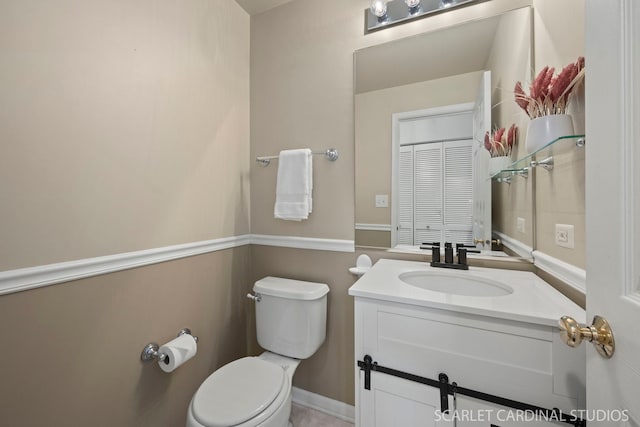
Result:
pixel 301 416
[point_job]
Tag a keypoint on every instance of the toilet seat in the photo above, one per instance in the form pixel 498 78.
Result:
pixel 240 391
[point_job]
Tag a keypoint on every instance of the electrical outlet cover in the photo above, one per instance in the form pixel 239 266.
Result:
pixel 565 236
pixel 382 200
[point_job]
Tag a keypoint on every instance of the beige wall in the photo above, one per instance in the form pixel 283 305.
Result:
pixel 373 238
pixel 509 62
pixel 302 96
pixel 124 126
pixel 560 193
pixel 71 352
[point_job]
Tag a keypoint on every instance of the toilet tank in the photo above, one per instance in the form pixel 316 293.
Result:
pixel 291 316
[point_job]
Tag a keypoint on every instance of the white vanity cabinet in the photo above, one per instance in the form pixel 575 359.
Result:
pixel 490 352
pixel 519 361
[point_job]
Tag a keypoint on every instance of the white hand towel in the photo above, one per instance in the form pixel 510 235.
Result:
pixel 294 186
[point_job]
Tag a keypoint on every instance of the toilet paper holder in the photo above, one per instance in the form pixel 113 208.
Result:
pixel 150 351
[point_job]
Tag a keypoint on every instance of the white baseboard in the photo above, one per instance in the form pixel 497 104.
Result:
pixel 373 227
pixel 570 274
pixel 515 245
pixel 320 403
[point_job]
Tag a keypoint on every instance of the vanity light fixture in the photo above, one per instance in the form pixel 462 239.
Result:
pixel 379 9
pixel 384 13
pixel 413 5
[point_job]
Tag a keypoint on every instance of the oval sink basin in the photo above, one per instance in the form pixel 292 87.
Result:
pixel 455 284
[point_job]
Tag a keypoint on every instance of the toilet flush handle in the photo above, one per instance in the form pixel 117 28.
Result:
pixel 256 297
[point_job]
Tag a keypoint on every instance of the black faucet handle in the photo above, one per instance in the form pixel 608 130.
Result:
pixel 462 256
pixel 448 253
pixel 462 245
pixel 435 254
pixel 470 250
pixel 430 245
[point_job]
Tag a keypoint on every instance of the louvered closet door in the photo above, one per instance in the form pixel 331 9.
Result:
pixel 405 197
pixel 427 197
pixel 458 191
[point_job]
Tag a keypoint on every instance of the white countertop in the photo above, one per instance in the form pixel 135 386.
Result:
pixel 533 300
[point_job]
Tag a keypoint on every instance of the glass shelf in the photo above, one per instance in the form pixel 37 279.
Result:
pixel 522 165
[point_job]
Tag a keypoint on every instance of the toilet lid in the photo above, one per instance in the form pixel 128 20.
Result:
pixel 237 392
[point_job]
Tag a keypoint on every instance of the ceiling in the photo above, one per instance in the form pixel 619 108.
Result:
pixel 254 7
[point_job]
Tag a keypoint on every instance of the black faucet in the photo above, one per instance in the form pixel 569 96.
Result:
pixel 448 253
pixel 461 249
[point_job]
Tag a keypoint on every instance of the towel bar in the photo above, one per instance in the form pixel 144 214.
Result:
pixel 331 153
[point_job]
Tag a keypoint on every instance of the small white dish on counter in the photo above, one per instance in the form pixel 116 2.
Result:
pixel 363 264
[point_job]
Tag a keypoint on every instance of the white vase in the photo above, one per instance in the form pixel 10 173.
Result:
pixel 545 129
pixel 496 164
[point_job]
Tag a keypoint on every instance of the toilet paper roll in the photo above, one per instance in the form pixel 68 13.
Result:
pixel 177 352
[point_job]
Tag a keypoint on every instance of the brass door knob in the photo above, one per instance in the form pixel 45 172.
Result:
pixel 599 333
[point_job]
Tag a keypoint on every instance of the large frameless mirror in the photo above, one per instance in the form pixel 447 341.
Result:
pixel 422 106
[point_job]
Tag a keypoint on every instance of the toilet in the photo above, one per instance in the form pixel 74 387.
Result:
pixel 291 317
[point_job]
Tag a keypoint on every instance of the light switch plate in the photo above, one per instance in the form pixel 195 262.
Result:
pixel 520 224
pixel 565 236
pixel 382 200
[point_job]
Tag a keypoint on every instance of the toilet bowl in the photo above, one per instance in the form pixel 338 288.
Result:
pixel 256 391
pixel 248 392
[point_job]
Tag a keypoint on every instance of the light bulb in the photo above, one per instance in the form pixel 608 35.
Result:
pixel 412 3
pixel 379 8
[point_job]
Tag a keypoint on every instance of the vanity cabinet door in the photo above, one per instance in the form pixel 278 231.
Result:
pixel 394 402
pixel 515 360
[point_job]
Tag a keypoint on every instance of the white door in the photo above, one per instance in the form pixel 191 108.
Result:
pixel 428 180
pixel 404 198
pixel 435 196
pixel 458 192
pixel 612 52
pixel 482 183
pixel 410 205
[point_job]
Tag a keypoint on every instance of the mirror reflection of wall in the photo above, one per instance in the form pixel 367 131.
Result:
pixel 431 70
pixel 560 194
